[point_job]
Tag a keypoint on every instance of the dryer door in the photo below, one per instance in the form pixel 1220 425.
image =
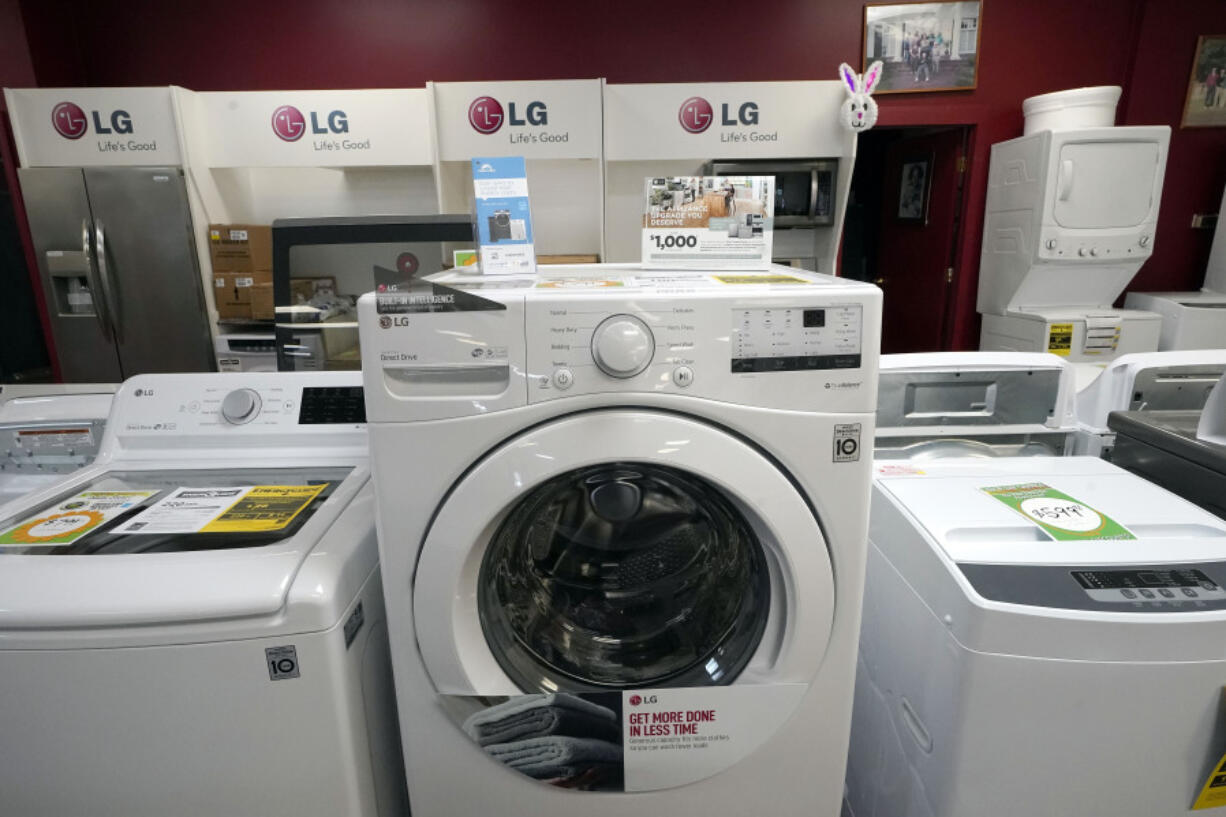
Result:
pixel 617 550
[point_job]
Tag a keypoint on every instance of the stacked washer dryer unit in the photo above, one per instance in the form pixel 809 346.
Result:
pixel 1150 381
pixel 1070 218
pixel 158 658
pixel 1041 635
pixel 622 519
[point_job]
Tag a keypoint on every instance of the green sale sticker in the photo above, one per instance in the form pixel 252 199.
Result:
pixel 1060 515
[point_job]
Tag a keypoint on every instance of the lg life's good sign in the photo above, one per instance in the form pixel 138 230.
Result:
pixel 318 128
pixel 536 120
pixel 727 120
pixel 82 127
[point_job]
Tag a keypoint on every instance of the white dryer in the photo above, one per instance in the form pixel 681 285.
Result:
pixel 46 434
pixel 622 519
pixel 1041 635
pixel 194 623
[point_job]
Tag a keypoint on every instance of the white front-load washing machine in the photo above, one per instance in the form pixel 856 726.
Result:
pixel 622 522
pixel 1042 635
pixel 194 623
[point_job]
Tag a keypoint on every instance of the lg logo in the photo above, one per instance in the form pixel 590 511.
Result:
pixel 635 700
pixel 485 114
pixel 385 322
pixel 696 114
pixel 289 124
pixel 70 121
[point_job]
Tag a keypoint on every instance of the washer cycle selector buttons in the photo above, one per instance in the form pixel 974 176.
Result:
pixel 240 406
pixel 622 346
pixel 683 376
pixel 563 378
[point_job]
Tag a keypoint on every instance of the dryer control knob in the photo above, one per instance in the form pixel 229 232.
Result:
pixel 240 406
pixel 622 346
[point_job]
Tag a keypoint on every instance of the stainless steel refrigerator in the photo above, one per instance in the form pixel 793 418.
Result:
pixel 119 270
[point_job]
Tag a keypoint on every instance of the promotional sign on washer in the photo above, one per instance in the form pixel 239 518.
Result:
pixel 708 222
pixel 1059 515
pixel 73 518
pixel 249 509
pixel 636 740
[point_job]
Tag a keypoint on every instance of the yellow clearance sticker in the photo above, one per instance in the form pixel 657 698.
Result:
pixel 265 508
pixel 1060 339
pixel 759 279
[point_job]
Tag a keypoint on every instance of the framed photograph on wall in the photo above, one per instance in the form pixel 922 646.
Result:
pixel 1205 104
pixel 913 187
pixel 923 46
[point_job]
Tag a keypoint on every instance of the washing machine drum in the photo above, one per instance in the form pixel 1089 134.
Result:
pixel 623 575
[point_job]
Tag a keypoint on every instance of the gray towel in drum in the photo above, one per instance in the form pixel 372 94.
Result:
pixel 557 757
pixel 536 716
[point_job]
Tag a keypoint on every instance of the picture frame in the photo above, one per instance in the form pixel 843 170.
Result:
pixel 923 47
pixel 914 186
pixel 1204 105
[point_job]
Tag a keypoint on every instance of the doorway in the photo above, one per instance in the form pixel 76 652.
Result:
pixel 904 217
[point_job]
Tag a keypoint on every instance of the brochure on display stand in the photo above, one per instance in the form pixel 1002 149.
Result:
pixel 504 217
pixel 708 222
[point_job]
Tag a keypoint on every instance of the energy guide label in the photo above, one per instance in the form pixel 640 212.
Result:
pixel 245 509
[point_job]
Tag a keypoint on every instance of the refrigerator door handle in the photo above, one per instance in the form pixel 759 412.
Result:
pixel 91 272
pixel 108 292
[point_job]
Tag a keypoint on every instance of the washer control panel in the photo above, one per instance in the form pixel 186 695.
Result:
pixel 1139 586
pixel 757 351
pixel 238 403
pixel 788 339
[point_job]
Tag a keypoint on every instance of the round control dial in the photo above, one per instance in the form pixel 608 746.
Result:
pixel 622 346
pixel 240 406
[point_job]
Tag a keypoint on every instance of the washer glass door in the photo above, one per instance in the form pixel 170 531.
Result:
pixel 622 549
pixel 625 574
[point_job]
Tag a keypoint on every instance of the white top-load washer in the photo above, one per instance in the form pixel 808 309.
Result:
pixel 1041 635
pixel 1152 381
pixel 194 623
pixel 46 435
pixel 1070 218
pixel 1193 320
pixel 629 554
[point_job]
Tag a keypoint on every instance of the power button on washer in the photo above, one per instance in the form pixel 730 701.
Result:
pixel 683 376
pixel 563 378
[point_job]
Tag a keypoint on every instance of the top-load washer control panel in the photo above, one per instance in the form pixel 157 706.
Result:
pixel 238 405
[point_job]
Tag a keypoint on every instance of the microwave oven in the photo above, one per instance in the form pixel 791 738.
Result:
pixel 804 188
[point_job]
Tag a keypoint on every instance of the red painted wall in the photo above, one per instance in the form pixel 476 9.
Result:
pixel 1027 47
pixel 16 67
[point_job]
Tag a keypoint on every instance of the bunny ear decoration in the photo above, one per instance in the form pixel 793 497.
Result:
pixel 850 80
pixel 872 77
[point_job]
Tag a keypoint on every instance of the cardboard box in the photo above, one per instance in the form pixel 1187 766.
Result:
pixel 302 290
pixel 243 295
pixel 240 247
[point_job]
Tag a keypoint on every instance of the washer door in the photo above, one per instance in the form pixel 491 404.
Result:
pixel 617 550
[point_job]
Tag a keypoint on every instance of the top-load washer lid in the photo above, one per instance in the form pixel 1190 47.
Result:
pixel 122 547
pixel 1067 533
pixel 976 511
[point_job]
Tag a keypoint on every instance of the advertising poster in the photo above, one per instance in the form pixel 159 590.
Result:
pixel 504 217
pixel 635 740
pixel 708 222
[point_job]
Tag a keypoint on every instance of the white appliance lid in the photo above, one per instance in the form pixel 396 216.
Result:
pixel 947 499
